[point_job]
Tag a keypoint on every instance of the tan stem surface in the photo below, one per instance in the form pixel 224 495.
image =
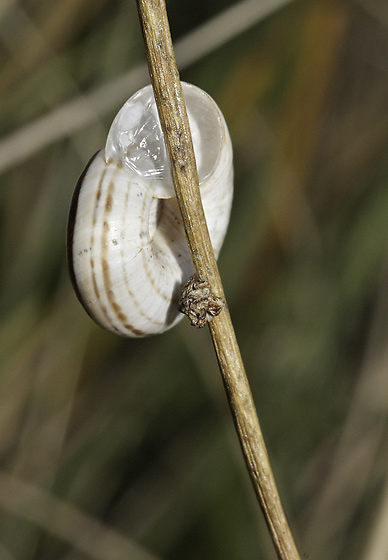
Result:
pixel 173 117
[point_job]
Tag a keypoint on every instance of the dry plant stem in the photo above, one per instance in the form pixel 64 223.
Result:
pixel 172 112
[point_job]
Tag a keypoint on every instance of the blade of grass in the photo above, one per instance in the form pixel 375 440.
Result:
pixel 66 522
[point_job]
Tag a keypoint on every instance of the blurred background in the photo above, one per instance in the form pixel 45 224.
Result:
pixel 125 449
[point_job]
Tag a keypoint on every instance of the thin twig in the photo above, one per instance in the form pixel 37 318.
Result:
pixel 172 112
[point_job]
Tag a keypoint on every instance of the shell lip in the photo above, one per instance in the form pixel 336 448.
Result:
pixel 135 139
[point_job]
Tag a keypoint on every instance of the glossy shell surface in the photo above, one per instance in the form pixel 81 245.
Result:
pixel 127 249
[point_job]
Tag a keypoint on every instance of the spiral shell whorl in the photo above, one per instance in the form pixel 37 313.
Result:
pixel 127 249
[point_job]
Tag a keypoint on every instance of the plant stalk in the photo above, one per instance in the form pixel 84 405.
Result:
pixel 173 117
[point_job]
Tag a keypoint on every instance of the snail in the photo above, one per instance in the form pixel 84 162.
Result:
pixel 127 251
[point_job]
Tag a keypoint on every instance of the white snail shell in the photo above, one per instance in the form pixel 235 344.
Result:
pixel 127 250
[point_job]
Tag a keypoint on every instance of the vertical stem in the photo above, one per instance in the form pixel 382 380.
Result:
pixel 173 117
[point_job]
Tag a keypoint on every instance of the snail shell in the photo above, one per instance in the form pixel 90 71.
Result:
pixel 127 250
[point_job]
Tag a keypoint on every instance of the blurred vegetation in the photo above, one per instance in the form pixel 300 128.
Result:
pixel 115 448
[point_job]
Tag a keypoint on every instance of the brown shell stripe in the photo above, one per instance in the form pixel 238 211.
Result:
pixel 108 285
pixel 71 225
pixel 125 276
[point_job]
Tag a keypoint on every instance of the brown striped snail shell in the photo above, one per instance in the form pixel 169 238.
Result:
pixel 127 250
